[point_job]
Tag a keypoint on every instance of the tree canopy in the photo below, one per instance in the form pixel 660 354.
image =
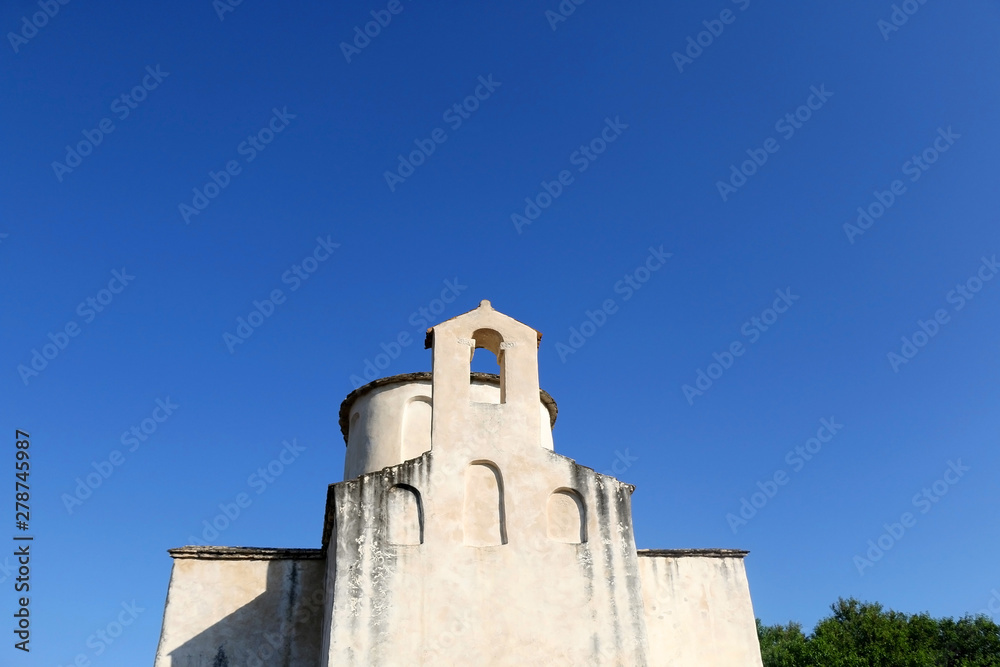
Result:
pixel 862 634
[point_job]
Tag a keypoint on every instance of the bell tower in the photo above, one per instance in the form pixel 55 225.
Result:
pixel 455 411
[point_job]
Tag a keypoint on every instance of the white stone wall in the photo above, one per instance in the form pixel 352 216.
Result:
pixel 462 598
pixel 242 608
pixel 698 609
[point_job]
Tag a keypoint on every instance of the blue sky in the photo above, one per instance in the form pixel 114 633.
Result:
pixel 692 155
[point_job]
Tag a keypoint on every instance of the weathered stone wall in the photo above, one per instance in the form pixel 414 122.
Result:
pixel 698 610
pixel 232 607
pixel 508 586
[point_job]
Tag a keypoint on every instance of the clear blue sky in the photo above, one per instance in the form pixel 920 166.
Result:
pixel 327 131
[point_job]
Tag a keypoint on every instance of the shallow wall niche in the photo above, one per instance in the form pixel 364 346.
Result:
pixel 484 520
pixel 567 517
pixel 416 436
pixel 405 515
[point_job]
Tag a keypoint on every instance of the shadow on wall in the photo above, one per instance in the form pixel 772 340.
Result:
pixel 281 626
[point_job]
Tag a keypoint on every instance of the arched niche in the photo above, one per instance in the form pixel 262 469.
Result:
pixel 416 428
pixel 484 522
pixel 405 516
pixel 567 517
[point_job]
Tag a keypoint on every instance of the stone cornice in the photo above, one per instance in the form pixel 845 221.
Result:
pixel 246 553
pixel 692 553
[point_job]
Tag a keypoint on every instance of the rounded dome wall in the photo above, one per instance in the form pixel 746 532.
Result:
pixel 388 421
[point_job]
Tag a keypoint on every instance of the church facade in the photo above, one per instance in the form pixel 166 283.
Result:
pixel 459 537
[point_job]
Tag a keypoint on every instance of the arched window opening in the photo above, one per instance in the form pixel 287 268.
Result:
pixel 489 339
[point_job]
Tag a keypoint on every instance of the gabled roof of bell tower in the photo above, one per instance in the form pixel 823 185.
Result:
pixel 484 305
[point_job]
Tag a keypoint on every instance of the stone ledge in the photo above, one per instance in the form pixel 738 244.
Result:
pixel 245 553
pixel 692 553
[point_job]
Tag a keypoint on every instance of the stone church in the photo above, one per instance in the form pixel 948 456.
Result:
pixel 460 537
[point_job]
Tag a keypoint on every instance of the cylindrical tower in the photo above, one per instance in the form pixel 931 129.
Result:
pixel 388 421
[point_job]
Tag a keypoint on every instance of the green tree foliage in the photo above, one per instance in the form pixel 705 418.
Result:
pixel 861 634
